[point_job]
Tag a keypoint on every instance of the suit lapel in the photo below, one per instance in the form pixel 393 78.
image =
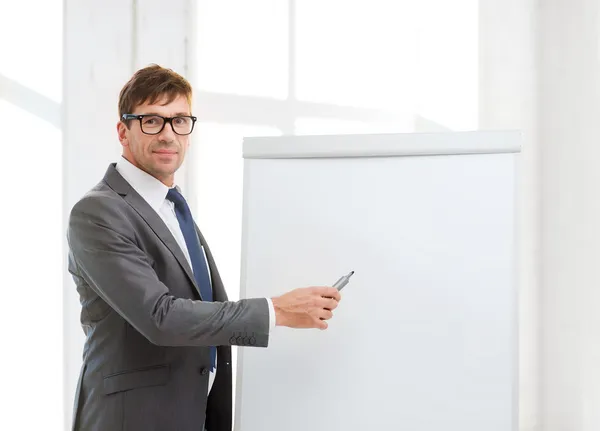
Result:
pixel 162 231
pixel 118 183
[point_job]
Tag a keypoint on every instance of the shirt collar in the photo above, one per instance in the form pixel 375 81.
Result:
pixel 152 190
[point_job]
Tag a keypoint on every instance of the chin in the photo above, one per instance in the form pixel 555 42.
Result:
pixel 166 170
pixel 161 170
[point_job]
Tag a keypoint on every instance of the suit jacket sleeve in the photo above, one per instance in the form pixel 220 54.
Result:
pixel 103 246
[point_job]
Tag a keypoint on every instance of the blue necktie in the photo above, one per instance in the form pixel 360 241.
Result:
pixel 186 223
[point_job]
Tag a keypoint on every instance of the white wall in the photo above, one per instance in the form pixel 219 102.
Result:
pixel 509 101
pixel 569 131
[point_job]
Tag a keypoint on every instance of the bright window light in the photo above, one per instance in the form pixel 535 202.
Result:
pixel 33 271
pixel 31 48
pixel 328 126
pixel 357 53
pixel 243 47
pixel 447 69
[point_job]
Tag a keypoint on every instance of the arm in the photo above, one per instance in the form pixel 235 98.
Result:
pixel 103 247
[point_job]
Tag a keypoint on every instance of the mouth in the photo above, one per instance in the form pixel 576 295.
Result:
pixel 165 152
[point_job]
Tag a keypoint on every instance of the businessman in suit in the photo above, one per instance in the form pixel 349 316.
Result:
pixel 157 321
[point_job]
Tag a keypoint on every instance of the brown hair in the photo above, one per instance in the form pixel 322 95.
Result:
pixel 151 84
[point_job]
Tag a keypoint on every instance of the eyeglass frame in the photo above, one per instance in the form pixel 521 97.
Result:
pixel 140 117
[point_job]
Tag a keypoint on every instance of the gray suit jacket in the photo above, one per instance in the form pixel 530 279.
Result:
pixel 145 360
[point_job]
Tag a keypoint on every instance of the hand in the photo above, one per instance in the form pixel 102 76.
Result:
pixel 306 307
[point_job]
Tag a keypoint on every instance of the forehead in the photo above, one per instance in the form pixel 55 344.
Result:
pixel 179 105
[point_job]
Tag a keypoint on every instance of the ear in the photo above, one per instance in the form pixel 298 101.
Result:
pixel 122 133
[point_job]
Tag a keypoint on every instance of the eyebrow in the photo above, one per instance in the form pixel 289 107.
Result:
pixel 178 114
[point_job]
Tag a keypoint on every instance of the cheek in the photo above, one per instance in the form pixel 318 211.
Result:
pixel 143 146
pixel 185 145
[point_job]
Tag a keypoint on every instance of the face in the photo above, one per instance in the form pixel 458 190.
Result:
pixel 158 155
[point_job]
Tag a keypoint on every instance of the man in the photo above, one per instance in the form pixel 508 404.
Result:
pixel 158 323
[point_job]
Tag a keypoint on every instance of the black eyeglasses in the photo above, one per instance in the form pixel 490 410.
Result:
pixel 152 124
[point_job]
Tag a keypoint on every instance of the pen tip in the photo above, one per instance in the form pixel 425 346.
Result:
pixel 351 272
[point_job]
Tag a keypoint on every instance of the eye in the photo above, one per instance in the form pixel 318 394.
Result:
pixel 151 121
pixel 180 121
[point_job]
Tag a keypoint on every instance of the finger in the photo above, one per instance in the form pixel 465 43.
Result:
pixel 325 314
pixel 327 303
pixel 321 324
pixel 328 292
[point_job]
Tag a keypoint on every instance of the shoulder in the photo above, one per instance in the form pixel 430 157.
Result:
pixel 99 198
pixel 100 206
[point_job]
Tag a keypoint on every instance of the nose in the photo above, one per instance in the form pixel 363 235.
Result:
pixel 167 133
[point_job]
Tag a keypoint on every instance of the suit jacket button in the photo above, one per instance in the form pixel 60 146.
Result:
pixel 204 371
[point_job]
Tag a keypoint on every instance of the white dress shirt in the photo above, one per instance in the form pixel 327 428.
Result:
pixel 154 193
